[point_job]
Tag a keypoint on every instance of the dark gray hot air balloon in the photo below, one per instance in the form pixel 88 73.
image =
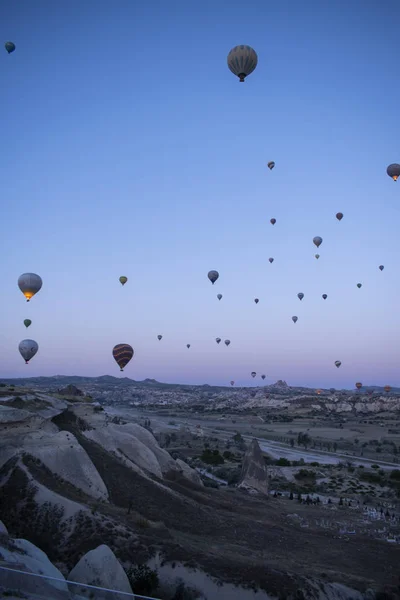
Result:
pixel 256 300
pixel 263 376
pixel 393 171
pixel 271 165
pixel 219 296
pixel 339 216
pixel 28 349
pixel 324 296
pixel 317 241
pixel 27 322
pixel 381 267
pixel 159 337
pixel 337 363
pixel 218 340
pixel 359 285
pixel 300 296
pixel 9 46
pixel 295 319
pixel 271 260
pixel 242 60
pixel 317 256
pixel 253 374
pixel 272 221
pixel 232 382
pixel 227 342
pixel 187 345
pixel 213 276
pixel 29 284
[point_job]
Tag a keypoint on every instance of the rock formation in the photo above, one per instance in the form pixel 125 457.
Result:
pixel 101 567
pixel 254 476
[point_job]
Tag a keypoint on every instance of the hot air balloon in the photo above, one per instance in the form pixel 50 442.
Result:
pixel 337 363
pixel 317 256
pixel 358 385
pixel 393 171
pixel 123 279
pixel 29 284
pixel 271 260
pixel 253 374
pixel 122 354
pixel 256 300
pixel 381 267
pixel 263 376
pixel 27 322
pixel 273 221
pixel 324 296
pixel 28 349
pixel 159 337
pixel 242 60
pixel 359 285
pixel 317 241
pixel 318 392
pixel 187 345
pixel 9 46
pixel 300 296
pixel 271 165
pixel 232 383
pixel 339 216
pixel 213 276
pixel 219 296
pixel 295 319
pixel 387 388
pixel 218 340
pixel 227 342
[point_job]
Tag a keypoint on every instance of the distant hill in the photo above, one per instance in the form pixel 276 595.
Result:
pixel 64 380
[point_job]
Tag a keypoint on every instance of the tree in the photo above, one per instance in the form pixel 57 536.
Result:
pixel 341 501
pixel 334 446
pixel 291 496
pixel 292 442
pixel 299 498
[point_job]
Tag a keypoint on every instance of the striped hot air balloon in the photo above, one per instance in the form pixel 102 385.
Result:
pixel 122 354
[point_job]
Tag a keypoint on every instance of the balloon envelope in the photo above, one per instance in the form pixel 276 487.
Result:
pixel 253 373
pixel 271 164
pixel 242 60
pixel 300 296
pixel 381 267
pixel 256 300
pixel 324 296
pixel 271 260
pixel 317 241
pixel 123 279
pixel 122 354
pixel 27 322
pixel 393 171
pixel 273 221
pixel 187 345
pixel 28 349
pixel 159 337
pixel 29 284
pixel 339 216
pixel 227 342
pixel 9 46
pixel 213 276
pixel 295 319
pixel 337 363
pixel 219 296
pixel 218 340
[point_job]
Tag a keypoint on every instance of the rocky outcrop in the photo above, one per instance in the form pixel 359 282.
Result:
pixel 71 390
pixel 63 455
pixel 21 554
pixel 254 476
pixel 189 473
pixel 101 567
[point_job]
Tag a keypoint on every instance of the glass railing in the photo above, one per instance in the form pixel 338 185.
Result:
pixel 18 583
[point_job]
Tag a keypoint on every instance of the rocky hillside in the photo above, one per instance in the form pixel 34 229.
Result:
pixel 73 479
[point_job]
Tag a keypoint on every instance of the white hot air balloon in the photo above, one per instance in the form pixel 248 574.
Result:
pixel 29 284
pixel 28 349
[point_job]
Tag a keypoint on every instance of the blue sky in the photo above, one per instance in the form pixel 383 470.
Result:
pixel 129 148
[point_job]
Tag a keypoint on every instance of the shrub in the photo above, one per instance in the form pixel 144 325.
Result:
pixel 283 462
pixel 142 579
